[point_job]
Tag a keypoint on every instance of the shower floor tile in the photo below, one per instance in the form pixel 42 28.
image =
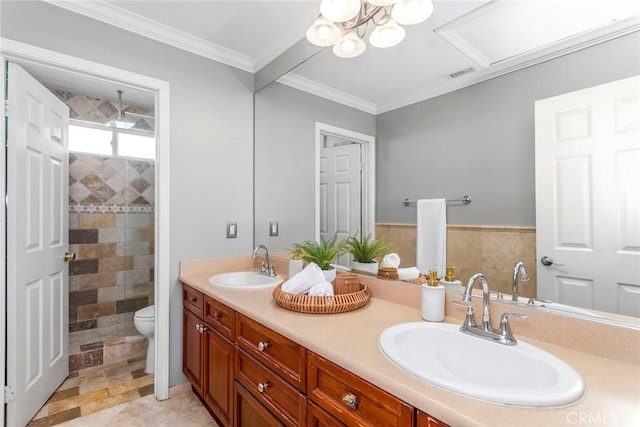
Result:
pixel 95 389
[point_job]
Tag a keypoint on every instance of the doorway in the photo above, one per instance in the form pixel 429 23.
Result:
pixel 75 68
pixel 345 184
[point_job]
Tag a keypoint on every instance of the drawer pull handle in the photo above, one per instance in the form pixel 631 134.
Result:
pixel 201 328
pixel 193 299
pixel 350 400
pixel 263 345
pixel 262 386
pixel 217 315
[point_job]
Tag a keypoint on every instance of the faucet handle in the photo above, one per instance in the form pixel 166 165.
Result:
pixel 263 267
pixel 505 330
pixel 272 271
pixel 470 320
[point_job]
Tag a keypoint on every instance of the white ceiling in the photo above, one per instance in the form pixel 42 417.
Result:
pixel 250 34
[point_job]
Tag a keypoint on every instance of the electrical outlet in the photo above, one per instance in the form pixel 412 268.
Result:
pixel 232 230
pixel 273 228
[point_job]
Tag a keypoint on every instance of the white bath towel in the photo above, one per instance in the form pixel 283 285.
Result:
pixel 310 276
pixel 432 236
pixel 408 273
pixel 323 289
pixel 391 260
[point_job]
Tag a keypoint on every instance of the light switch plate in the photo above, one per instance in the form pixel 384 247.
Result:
pixel 273 228
pixel 232 230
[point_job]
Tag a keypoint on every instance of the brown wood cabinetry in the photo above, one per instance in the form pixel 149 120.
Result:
pixel 424 420
pixel 278 353
pixel 208 355
pixel 249 412
pixel 318 417
pixel 192 349
pixel 352 400
pixel 217 381
pixel 250 376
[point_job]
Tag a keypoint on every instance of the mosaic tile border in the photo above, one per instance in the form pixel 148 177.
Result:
pixel 111 209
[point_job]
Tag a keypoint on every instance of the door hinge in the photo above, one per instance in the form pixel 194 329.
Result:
pixel 8 108
pixel 9 394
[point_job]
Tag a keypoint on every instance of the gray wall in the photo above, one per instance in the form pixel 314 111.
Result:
pixel 211 133
pixel 480 140
pixel 285 121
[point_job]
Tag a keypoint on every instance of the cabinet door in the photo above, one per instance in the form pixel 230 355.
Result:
pixel 317 417
pixel 192 347
pixel 248 412
pixel 425 420
pixel 218 375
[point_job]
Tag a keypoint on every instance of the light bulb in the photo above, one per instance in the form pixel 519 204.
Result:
pixel 340 10
pixel 387 35
pixel 323 32
pixel 409 12
pixel 349 46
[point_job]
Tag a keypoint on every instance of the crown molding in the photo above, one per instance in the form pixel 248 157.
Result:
pixel 301 83
pixel 121 18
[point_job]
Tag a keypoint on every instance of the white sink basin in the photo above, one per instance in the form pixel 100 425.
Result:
pixel 244 279
pixel 441 355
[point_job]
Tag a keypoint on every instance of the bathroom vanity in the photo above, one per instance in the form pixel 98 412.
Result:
pixel 254 363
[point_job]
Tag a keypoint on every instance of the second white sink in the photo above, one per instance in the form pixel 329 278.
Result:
pixel 244 279
pixel 522 375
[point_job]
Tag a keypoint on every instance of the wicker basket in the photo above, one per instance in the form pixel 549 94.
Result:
pixel 388 273
pixel 420 280
pixel 349 294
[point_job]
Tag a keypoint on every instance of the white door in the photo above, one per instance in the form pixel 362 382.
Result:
pixel 340 193
pixel 37 238
pixel 588 197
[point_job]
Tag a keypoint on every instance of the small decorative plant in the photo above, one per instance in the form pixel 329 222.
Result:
pixel 322 253
pixel 367 249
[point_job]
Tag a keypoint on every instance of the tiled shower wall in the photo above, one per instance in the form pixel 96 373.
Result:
pixel 111 230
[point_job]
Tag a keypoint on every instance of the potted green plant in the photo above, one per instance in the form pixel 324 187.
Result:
pixel 322 253
pixel 365 251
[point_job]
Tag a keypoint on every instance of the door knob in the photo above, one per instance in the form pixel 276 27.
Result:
pixel 69 256
pixel 547 261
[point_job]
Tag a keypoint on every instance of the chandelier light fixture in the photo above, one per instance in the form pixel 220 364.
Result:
pixel 341 21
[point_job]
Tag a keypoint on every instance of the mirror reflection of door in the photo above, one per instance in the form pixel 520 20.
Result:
pixel 588 197
pixel 340 190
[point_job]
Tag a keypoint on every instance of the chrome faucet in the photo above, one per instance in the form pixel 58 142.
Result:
pixel 503 335
pixel 524 276
pixel 466 298
pixel 265 268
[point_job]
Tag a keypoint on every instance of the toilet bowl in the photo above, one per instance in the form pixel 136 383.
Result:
pixel 145 322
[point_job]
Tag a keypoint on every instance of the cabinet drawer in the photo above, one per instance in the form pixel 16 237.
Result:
pixel 219 317
pixel 282 355
pixel 426 420
pixel 351 399
pixel 192 300
pixel 283 400
pixel 248 412
pixel 318 417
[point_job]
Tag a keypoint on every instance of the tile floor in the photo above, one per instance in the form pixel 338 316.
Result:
pixel 119 393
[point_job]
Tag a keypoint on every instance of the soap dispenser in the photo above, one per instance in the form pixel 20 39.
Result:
pixel 449 281
pixel 433 299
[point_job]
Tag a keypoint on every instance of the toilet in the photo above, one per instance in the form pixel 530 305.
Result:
pixel 145 322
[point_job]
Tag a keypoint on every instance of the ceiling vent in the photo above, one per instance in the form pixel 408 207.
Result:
pixel 462 72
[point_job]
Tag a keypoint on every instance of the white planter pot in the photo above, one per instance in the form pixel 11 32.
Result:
pixel 366 267
pixel 330 275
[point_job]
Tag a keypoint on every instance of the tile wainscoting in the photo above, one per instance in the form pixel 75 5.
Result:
pixel 491 250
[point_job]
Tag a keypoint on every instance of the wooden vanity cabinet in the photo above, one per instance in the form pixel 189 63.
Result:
pixel 425 420
pixel 250 376
pixel 352 400
pixel 208 352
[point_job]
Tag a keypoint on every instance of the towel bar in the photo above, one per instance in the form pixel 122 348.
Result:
pixel 465 199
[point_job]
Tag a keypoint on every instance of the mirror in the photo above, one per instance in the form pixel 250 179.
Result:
pixel 478 140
